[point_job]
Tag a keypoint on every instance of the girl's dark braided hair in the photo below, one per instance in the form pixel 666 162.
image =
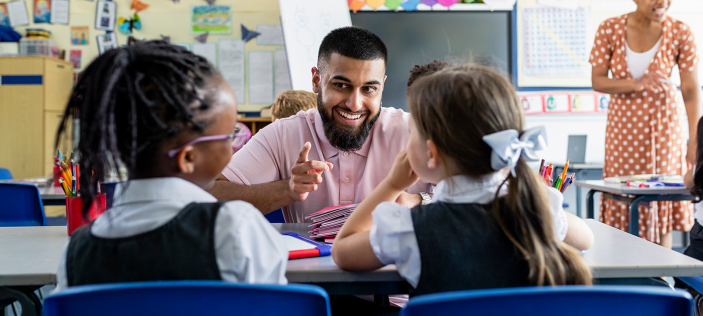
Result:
pixel 128 100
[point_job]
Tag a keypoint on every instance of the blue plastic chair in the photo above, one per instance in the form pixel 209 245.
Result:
pixel 275 216
pixel 188 298
pixel 557 300
pixel 5 174
pixel 21 205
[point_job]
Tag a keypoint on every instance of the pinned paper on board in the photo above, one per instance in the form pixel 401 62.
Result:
pixel 556 103
pixel 207 50
pixel 248 35
pixel 231 60
pixel 532 103
pixel 105 15
pixel 583 102
pixel 75 58
pixel 42 11
pixel 281 77
pixel 17 13
pixel 80 35
pixel 4 16
pixel 271 34
pixel 106 42
pixel 556 42
pixel 60 11
pixel 202 38
pixel 215 19
pixel 260 77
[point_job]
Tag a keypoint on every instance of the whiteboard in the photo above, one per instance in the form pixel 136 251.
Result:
pixel 688 11
pixel 305 23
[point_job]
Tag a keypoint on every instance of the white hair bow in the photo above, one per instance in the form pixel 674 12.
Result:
pixel 508 147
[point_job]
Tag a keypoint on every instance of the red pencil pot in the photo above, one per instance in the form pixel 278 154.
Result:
pixel 57 175
pixel 74 207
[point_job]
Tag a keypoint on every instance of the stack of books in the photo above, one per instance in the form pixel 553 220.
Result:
pixel 327 222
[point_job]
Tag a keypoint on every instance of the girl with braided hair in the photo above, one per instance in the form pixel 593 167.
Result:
pixel 168 116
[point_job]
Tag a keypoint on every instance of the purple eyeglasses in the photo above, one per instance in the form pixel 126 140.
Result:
pixel 231 136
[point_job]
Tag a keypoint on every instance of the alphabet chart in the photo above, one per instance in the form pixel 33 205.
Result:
pixel 556 41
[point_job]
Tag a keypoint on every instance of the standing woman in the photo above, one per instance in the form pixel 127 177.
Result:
pixel 645 132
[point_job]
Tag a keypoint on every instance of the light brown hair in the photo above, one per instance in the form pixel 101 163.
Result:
pixel 291 102
pixel 455 108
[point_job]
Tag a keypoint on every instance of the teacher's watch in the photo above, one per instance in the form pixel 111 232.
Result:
pixel 426 198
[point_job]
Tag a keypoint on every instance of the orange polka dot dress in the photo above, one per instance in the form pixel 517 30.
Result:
pixel 645 130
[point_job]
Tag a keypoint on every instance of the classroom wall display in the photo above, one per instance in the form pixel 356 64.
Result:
pixel 75 58
pixel 4 16
pixel 60 11
pixel 532 103
pixel 105 15
pixel 556 41
pixel 583 102
pixel 214 19
pixel 80 35
pixel 17 13
pixel 106 42
pixel 574 102
pixel 231 58
pixel 42 11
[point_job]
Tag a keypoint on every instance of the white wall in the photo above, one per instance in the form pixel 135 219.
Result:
pixel 560 126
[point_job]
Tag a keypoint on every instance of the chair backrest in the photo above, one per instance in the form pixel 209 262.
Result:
pixel 109 189
pixel 275 216
pixel 5 174
pixel 21 205
pixel 558 300
pixel 188 298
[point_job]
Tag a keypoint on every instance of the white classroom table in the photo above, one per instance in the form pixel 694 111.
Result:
pixel 30 256
pixel 617 191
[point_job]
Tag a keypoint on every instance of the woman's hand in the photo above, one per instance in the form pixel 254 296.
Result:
pixel 402 175
pixel 650 81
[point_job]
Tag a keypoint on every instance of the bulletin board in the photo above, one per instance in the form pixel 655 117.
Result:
pixel 172 19
pixel 688 11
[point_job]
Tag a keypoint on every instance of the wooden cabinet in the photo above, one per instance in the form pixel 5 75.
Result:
pixel 255 123
pixel 33 95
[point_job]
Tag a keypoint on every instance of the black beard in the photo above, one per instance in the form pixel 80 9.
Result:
pixel 345 137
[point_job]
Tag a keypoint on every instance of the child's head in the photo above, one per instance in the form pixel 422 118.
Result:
pixel 452 110
pixel 152 106
pixel 426 70
pixel 291 102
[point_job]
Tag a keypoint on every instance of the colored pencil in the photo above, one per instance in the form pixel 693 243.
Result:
pixel 65 188
pixel 541 165
pixel 563 174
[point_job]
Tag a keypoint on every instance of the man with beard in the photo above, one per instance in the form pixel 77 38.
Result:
pixel 348 143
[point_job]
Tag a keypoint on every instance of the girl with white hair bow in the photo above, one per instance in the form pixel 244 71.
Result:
pixel 482 229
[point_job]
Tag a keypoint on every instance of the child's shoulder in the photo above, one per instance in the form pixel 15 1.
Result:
pixel 239 213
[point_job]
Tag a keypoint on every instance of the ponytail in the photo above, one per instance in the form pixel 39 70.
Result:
pixel 524 216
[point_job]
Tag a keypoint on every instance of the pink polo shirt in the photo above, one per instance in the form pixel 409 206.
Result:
pixel 272 152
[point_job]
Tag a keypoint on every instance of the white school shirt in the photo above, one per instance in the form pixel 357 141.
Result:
pixel 392 235
pixel 639 62
pixel 247 248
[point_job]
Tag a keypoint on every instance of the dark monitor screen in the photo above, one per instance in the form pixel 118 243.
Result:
pixel 416 38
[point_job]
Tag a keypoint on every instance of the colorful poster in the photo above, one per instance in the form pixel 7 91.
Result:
pixel 4 16
pixel 215 19
pixel 79 35
pixel 42 11
pixel 75 58
pixel 105 15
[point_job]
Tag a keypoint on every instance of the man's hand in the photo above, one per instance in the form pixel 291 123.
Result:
pixel 306 175
pixel 409 200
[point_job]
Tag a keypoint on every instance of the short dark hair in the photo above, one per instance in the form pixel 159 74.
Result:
pixel 353 42
pixel 426 70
